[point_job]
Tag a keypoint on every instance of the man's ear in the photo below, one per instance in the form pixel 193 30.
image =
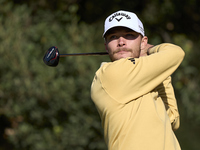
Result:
pixel 106 47
pixel 144 42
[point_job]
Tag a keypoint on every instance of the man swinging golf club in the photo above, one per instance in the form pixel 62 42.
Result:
pixel 133 93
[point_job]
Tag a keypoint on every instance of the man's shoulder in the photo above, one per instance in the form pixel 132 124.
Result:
pixel 105 64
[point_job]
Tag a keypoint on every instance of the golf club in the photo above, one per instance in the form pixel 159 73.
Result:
pixel 51 57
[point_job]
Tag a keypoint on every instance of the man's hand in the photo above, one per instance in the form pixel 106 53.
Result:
pixel 144 52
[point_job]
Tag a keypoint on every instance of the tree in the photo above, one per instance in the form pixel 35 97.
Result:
pixel 50 108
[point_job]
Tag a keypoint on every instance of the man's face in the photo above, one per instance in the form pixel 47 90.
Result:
pixel 121 42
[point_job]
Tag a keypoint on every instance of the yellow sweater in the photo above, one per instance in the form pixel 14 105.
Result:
pixel 132 96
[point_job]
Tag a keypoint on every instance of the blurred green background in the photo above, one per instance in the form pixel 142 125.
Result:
pixel 46 108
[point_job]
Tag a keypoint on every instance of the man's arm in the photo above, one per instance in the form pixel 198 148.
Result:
pixel 166 92
pixel 133 77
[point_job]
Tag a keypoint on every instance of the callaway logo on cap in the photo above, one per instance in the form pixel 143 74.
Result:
pixel 124 19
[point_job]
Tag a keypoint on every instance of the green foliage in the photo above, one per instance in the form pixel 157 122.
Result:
pixel 50 108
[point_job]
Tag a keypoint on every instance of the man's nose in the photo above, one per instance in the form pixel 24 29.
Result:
pixel 121 41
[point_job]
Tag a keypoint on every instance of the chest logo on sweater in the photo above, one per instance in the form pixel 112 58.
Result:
pixel 132 60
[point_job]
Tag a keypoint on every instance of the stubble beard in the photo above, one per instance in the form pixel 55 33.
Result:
pixel 134 55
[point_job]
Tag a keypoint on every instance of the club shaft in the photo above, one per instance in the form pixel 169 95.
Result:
pixel 84 54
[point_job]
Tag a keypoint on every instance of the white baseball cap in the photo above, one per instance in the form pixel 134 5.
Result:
pixel 124 19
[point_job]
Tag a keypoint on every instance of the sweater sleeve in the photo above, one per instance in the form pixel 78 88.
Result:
pixel 166 92
pixel 127 79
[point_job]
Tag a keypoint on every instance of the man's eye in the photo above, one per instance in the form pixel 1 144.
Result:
pixel 131 36
pixel 113 37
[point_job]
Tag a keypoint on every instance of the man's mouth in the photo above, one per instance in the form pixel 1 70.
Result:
pixel 122 51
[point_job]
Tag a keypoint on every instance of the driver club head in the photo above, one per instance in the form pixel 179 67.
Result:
pixel 51 57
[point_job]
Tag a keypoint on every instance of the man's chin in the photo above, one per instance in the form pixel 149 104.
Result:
pixel 117 57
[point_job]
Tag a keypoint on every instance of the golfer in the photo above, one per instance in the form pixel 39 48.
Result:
pixel 133 93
